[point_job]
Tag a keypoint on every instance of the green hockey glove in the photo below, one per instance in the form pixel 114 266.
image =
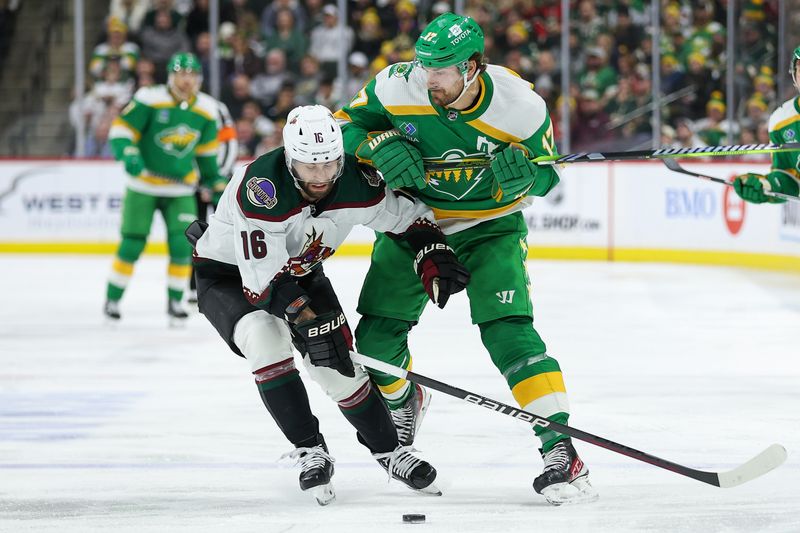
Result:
pixel 397 159
pixel 750 187
pixel 514 173
pixel 134 164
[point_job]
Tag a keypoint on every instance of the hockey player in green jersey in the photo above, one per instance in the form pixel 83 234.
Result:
pixel 449 105
pixel 784 176
pixel 167 139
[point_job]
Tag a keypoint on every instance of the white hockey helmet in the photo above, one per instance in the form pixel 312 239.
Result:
pixel 311 135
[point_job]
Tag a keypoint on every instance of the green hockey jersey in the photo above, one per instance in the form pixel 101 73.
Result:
pixel 507 111
pixel 177 140
pixel 784 127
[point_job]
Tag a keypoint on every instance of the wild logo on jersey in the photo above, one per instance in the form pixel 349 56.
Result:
pixel 313 253
pixel 178 141
pixel 458 181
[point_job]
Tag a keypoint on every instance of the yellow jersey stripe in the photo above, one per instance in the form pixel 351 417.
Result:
pixel 501 135
pixel 442 214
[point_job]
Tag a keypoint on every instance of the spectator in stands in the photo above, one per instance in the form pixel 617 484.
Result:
pixel 326 96
pixel 597 74
pixel 145 74
pixel 284 102
pixel 248 140
pixel 593 130
pixel 755 113
pixel 684 134
pixel 308 82
pixel 406 14
pixel 242 57
pixel 130 12
pixel 265 86
pixel 197 19
pixel 712 129
pixel 116 47
pixel 358 75
pixel 288 38
pixel 159 42
pixel 262 126
pixel 202 49
pixel 672 76
pixel 270 14
pixel 327 45
pixel 625 33
pixel 97 144
pixel 588 24
pixel 163 7
pixel 237 94
pixel 764 85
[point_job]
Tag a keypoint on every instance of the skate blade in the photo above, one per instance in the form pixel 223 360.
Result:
pixel 577 492
pixel 177 323
pixel 430 490
pixel 323 493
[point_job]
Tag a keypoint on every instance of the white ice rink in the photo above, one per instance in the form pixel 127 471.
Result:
pixel 143 428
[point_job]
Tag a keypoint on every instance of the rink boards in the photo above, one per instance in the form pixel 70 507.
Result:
pixel 637 211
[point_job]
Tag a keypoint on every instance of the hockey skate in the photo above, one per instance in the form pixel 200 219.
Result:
pixel 111 311
pixel 408 418
pixel 316 471
pixel 402 465
pixel 176 313
pixel 565 478
pixel 191 297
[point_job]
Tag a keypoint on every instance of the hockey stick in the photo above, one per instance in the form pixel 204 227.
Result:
pixel 436 165
pixel 676 167
pixel 759 465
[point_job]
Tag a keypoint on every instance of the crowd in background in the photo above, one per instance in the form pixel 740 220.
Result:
pixel 277 54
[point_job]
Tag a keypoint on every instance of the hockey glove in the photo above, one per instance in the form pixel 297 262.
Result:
pixel 442 275
pixel 514 173
pixel 134 164
pixel 328 341
pixel 397 159
pixel 287 298
pixel 750 187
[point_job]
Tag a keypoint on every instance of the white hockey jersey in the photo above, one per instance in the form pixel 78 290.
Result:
pixel 265 227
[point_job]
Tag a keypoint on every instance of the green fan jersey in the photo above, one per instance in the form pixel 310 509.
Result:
pixel 177 140
pixel 506 111
pixel 784 127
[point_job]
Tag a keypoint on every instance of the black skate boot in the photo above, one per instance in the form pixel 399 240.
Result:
pixel 111 310
pixel 402 465
pixel 177 314
pixel 316 471
pixel 565 478
pixel 408 418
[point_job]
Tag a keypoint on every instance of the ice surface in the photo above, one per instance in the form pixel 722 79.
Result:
pixel 143 428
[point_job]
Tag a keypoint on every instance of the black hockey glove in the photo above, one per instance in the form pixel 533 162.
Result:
pixel 328 341
pixel 442 275
pixel 287 298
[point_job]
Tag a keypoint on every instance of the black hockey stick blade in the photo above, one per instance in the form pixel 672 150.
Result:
pixel 759 465
pixel 674 166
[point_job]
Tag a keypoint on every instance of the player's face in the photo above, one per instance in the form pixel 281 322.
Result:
pixel 444 84
pixel 316 179
pixel 797 75
pixel 185 83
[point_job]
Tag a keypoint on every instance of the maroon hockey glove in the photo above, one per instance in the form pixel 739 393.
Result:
pixel 442 275
pixel 328 341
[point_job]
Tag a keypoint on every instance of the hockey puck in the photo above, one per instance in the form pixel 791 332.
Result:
pixel 413 518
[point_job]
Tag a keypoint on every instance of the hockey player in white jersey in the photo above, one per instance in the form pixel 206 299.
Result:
pixel 261 284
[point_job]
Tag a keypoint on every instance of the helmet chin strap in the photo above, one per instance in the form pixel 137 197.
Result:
pixel 464 67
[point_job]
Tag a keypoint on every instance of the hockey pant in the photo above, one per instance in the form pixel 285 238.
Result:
pixel 137 218
pixel 266 342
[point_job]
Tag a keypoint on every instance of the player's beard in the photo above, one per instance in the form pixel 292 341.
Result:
pixel 315 194
pixel 444 97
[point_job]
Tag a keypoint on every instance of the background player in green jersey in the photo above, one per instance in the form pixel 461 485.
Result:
pixel 784 176
pixel 450 105
pixel 167 139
